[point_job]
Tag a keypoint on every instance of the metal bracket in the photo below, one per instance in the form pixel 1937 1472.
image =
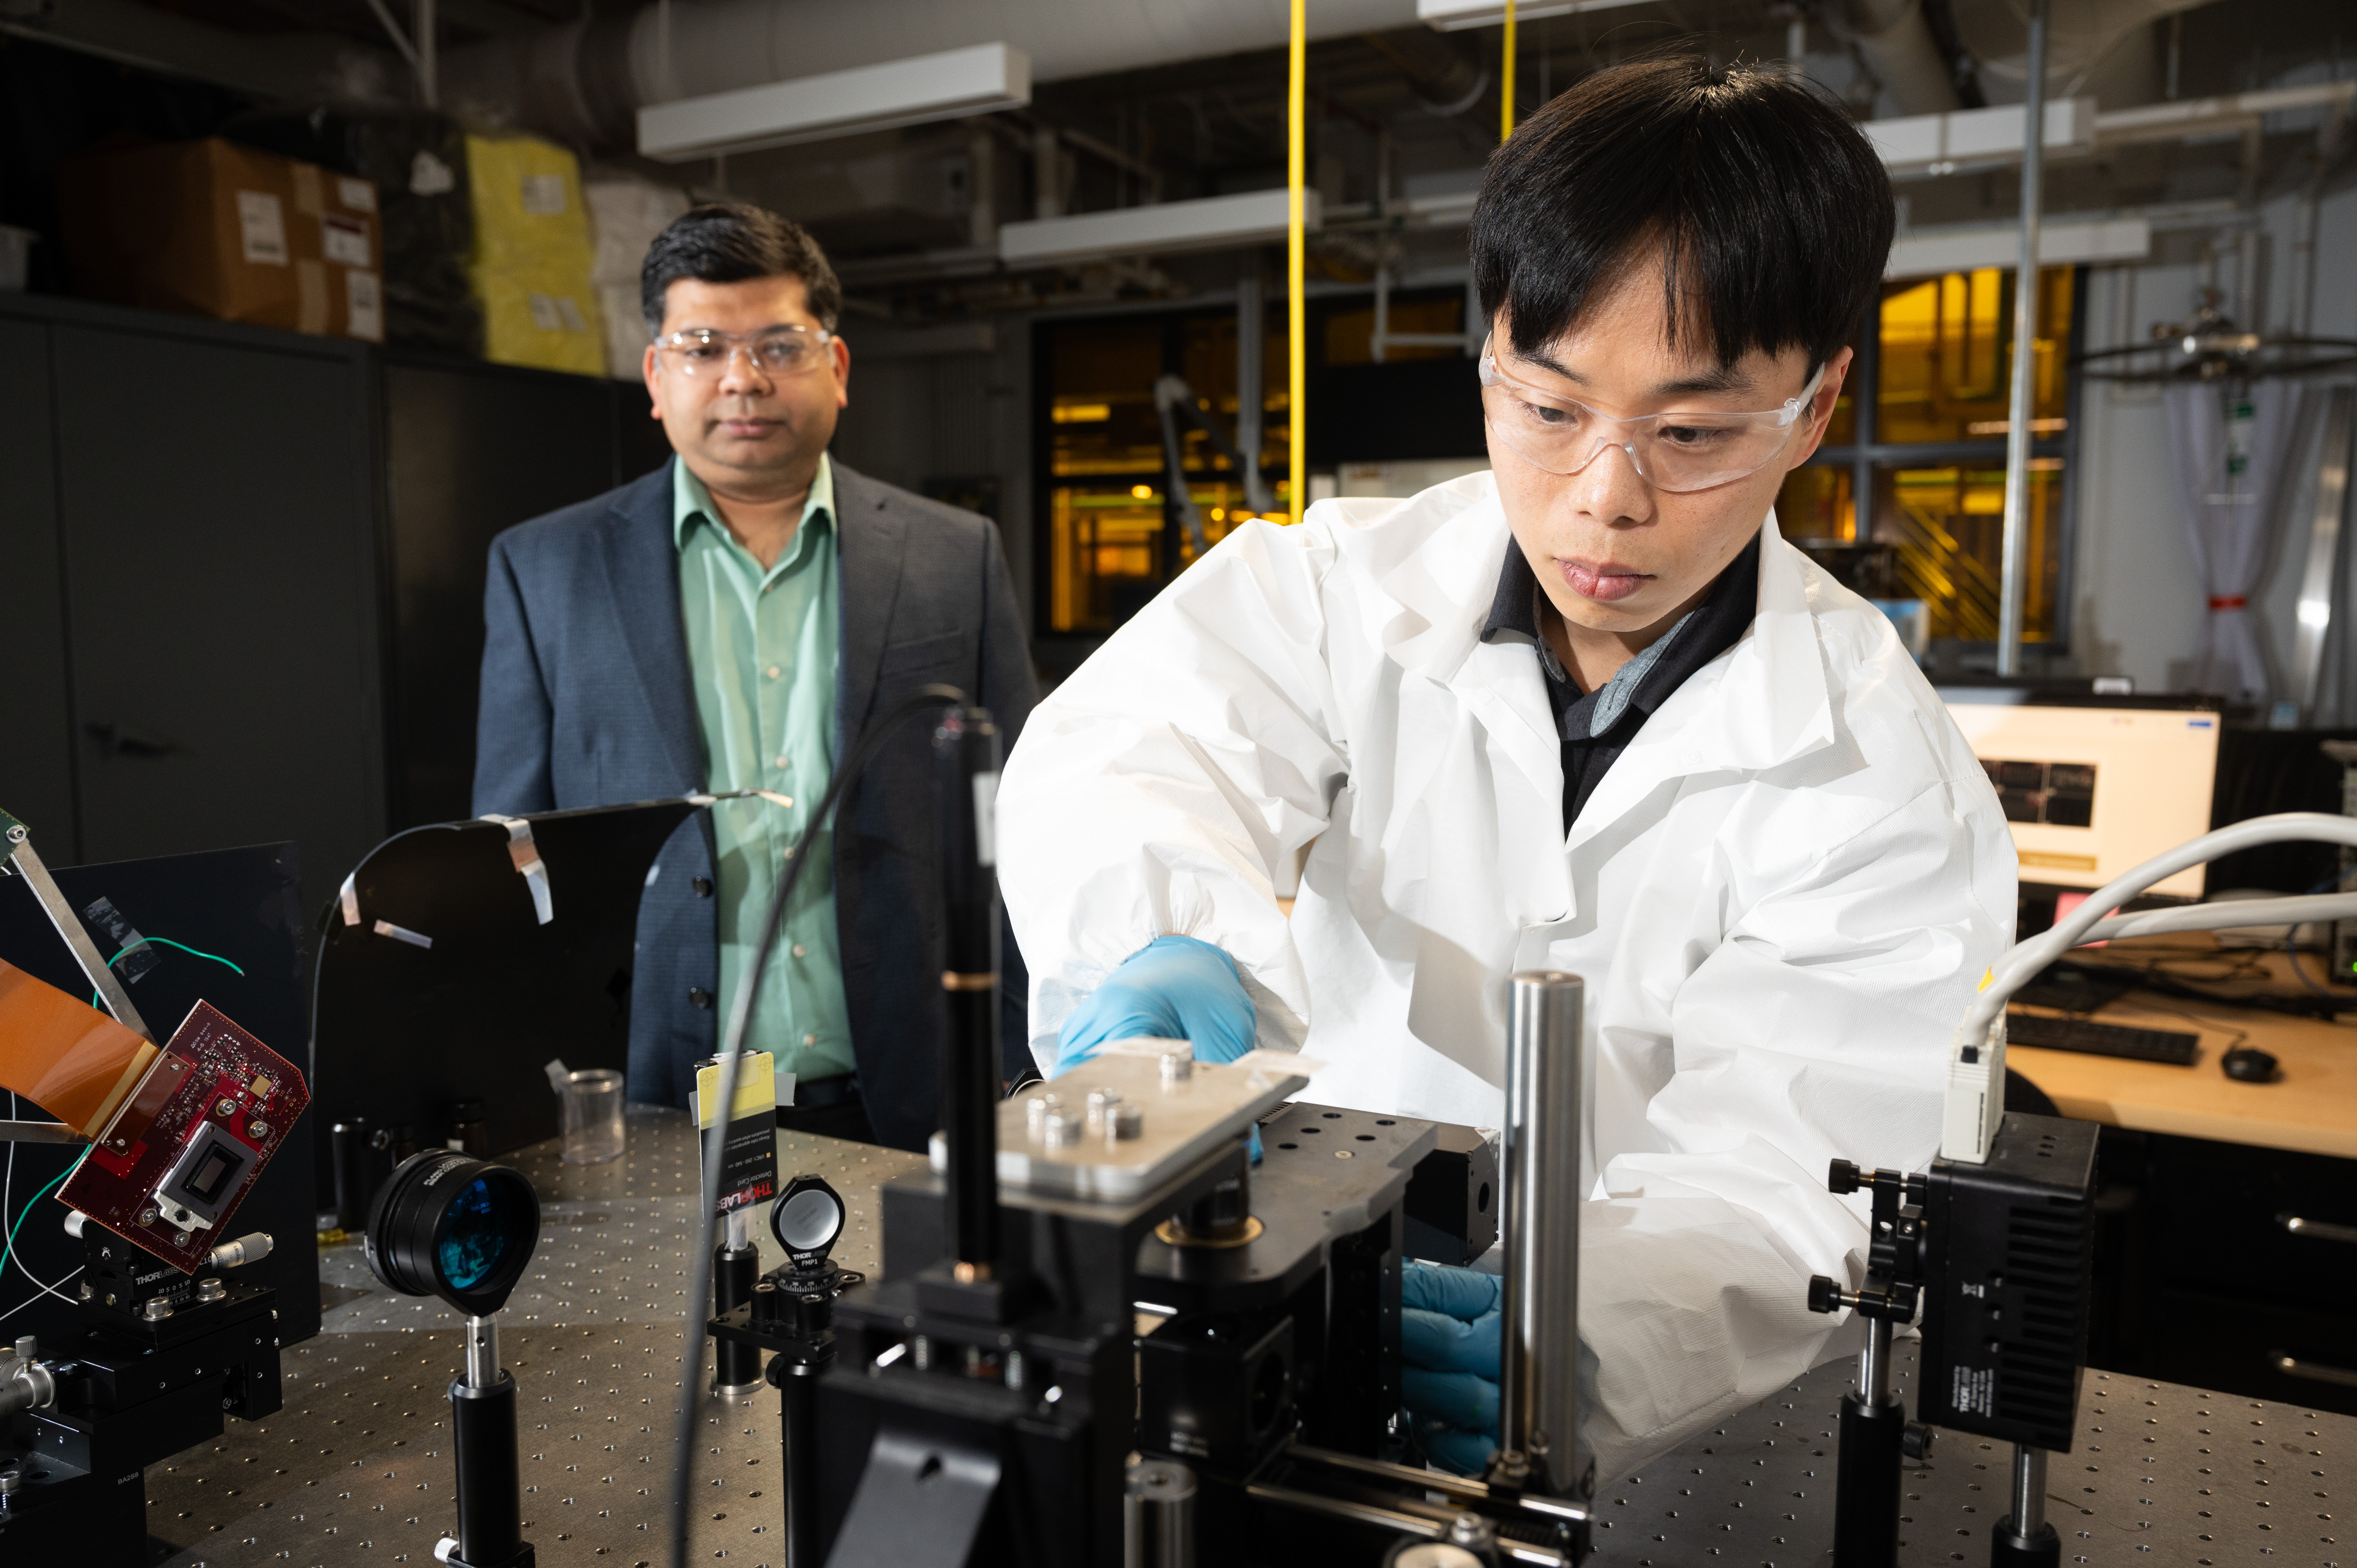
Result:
pixel 102 980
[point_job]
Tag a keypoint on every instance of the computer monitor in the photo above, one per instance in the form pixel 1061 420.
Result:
pixel 2091 792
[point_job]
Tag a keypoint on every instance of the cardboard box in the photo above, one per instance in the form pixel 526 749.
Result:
pixel 214 228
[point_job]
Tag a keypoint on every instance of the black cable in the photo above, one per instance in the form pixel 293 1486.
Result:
pixel 699 1295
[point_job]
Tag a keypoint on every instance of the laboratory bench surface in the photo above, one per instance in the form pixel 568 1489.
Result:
pixel 357 1468
pixel 2311 1106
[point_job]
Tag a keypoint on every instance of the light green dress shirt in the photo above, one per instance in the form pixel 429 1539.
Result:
pixel 763 650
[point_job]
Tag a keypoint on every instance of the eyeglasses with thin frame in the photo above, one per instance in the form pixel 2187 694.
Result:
pixel 706 354
pixel 1676 452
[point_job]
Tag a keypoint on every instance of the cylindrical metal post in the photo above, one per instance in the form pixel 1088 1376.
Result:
pixel 1539 1382
pixel 795 1373
pixel 483 1422
pixel 1866 1486
pixel 736 1270
pixel 1158 1515
pixel 2014 561
pixel 966 772
pixel 482 1352
pixel 2024 1538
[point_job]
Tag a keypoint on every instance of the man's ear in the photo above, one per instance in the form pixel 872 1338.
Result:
pixel 649 368
pixel 1821 407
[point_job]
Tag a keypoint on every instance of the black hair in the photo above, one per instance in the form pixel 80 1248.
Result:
pixel 1769 212
pixel 729 241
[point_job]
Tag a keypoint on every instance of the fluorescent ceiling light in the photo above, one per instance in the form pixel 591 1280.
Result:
pixel 1965 248
pixel 1213 222
pixel 1456 15
pixel 945 86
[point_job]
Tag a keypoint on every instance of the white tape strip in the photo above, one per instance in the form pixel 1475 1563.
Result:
pixel 350 900
pixel 402 934
pixel 526 856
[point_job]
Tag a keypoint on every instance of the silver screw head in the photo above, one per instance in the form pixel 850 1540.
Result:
pixel 1124 1122
pixel 257 1126
pixel 156 1311
pixel 1061 1129
pixel 1101 1100
pixel 210 1290
pixel 1177 1065
pixel 147 1215
pixel 224 1106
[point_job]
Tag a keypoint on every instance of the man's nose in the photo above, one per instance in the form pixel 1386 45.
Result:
pixel 1610 488
pixel 743 373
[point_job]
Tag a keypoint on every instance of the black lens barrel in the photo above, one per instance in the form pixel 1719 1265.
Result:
pixel 419 1207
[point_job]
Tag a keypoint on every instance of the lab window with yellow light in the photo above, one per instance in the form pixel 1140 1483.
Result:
pixel 1114 533
pixel 1919 432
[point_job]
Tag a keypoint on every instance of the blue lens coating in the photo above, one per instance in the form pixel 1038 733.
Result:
pixel 476 1234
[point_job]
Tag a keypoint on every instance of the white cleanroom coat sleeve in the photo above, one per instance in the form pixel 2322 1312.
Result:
pixel 1816 1029
pixel 1155 792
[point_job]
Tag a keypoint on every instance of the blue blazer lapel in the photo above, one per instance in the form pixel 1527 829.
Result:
pixel 641 567
pixel 870 538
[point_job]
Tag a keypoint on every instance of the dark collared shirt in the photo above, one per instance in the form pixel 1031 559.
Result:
pixel 1624 702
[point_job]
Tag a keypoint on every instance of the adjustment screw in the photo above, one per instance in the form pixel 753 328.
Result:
pixel 156 1311
pixel 1124 1122
pixel 210 1290
pixel 1915 1440
pixel 1179 1066
pixel 147 1215
pixel 225 1106
pixel 257 1127
pixel 1823 1294
pixel 1842 1177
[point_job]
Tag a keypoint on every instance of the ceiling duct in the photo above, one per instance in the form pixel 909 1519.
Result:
pixel 584 82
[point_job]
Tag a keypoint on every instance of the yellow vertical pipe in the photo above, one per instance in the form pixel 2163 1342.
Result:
pixel 1296 321
pixel 1506 82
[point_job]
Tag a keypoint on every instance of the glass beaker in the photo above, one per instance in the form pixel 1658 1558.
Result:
pixel 592 1100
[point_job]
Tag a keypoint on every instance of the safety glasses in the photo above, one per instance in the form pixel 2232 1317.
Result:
pixel 1672 452
pixel 781 351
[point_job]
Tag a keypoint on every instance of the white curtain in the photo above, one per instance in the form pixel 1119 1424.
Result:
pixel 2230 481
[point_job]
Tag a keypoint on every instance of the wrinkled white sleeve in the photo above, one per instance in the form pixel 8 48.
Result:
pixel 1155 791
pixel 1817 1029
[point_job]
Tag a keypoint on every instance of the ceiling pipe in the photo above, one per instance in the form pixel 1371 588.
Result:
pixel 584 82
pixel 1895 45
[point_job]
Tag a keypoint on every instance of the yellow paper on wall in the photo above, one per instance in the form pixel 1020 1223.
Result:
pixel 534 255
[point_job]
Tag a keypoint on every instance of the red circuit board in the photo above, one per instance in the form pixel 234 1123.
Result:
pixel 190 1143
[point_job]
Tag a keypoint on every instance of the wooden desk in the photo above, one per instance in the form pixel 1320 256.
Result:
pixel 2311 1107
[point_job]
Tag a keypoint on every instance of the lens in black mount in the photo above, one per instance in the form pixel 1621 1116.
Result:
pixel 461 1229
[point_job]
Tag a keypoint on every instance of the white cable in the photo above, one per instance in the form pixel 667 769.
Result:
pixel 2226 917
pixel 2014 969
pixel 31 1299
pixel 1974 1104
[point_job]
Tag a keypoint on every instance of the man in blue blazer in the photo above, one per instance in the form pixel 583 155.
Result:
pixel 730 622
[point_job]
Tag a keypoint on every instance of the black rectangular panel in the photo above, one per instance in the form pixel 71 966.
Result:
pixel 36 718
pixel 221 567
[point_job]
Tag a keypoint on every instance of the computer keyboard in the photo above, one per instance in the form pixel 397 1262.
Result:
pixel 2171 1045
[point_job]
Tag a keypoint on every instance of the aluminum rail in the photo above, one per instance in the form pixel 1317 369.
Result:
pixel 2014 552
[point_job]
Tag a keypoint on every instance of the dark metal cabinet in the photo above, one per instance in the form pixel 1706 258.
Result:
pixel 216 505
pixel 36 723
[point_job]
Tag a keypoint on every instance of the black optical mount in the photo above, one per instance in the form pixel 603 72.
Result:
pixel 789 1312
pixel 1997 1253
pixel 1874 1430
pixel 463 1230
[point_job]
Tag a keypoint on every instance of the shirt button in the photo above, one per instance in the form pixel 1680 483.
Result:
pixel 785 762
pixel 698 997
pixel 773 672
pixel 702 885
pixel 810 1039
pixel 801 951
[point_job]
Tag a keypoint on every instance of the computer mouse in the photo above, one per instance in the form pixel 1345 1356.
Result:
pixel 2247 1064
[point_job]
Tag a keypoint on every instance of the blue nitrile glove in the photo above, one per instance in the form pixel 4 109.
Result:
pixel 1173 988
pixel 1449 1344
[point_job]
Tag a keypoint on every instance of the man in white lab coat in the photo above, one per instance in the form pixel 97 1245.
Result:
pixel 1588 712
